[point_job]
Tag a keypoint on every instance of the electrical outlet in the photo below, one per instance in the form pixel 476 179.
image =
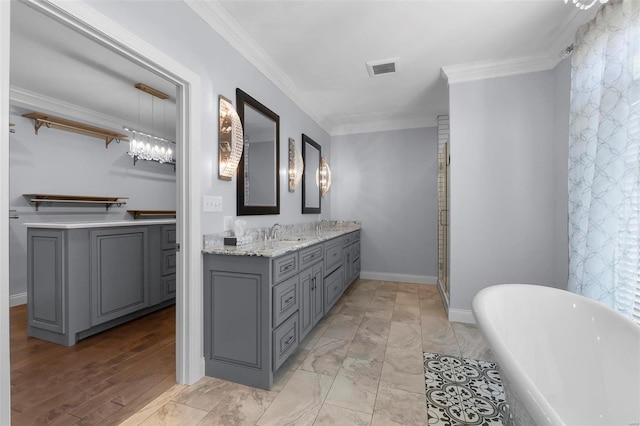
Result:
pixel 211 204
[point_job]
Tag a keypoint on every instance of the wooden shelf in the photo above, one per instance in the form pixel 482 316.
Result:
pixel 39 199
pixel 141 214
pixel 50 121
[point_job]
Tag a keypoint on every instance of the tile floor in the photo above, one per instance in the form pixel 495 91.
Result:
pixel 361 365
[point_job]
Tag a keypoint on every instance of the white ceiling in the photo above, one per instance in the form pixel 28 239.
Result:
pixel 314 50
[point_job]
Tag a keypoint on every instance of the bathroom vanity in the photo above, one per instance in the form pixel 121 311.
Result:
pixel 86 277
pixel 262 299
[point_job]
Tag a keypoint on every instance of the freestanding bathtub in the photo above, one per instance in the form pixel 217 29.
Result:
pixel 564 359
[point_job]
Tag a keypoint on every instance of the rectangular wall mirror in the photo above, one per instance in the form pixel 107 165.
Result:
pixel 311 195
pixel 258 183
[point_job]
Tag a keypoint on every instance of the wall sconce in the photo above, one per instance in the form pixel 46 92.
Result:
pixel 325 176
pixel 230 140
pixel 296 165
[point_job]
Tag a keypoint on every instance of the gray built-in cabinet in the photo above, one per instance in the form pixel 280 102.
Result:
pixel 257 309
pixel 82 281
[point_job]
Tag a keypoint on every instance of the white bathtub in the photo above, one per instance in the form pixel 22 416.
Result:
pixel 564 359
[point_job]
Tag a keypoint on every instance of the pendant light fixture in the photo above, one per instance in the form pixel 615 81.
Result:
pixel 145 146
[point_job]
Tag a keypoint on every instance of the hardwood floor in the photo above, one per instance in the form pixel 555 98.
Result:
pixel 102 380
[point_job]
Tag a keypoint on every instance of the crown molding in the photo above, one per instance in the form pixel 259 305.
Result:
pixel 562 38
pixel 217 17
pixel 501 68
pixel 23 98
pixel 380 125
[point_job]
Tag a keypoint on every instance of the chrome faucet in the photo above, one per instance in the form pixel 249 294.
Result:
pixel 273 230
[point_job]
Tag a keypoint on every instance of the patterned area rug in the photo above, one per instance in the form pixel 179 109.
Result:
pixel 462 391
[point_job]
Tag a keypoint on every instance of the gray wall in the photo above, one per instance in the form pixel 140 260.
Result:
pixel 222 69
pixel 59 162
pixel 388 180
pixel 508 183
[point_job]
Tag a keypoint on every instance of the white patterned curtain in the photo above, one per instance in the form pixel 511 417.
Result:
pixel 604 158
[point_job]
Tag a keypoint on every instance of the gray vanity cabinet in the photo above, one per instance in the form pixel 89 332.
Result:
pixel 82 281
pixel 257 308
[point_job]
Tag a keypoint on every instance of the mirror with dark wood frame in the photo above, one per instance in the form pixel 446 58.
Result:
pixel 258 183
pixel 311 194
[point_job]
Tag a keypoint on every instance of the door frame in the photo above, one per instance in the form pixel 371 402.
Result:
pixel 86 20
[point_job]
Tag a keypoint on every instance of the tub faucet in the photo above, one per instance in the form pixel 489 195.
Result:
pixel 273 230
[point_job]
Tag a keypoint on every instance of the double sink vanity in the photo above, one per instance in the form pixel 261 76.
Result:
pixel 261 300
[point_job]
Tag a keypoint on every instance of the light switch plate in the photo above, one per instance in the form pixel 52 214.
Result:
pixel 211 204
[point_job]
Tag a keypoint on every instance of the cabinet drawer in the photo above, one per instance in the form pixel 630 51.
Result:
pixel 285 341
pixel 333 285
pixel 285 267
pixel 332 255
pixel 168 262
pixel 168 235
pixel 348 239
pixel 285 300
pixel 310 255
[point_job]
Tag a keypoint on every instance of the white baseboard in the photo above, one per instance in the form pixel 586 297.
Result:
pixel 403 278
pixel 18 299
pixel 461 315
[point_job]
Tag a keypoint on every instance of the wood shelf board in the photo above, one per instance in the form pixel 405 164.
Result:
pixel 108 201
pixel 152 213
pixel 41 119
pixel 80 198
pixel 53 200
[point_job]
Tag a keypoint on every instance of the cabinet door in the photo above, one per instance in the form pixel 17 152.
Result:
pixel 46 279
pixel 119 282
pixel 317 294
pixel 306 310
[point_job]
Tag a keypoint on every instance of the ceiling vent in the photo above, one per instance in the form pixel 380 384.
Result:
pixel 382 67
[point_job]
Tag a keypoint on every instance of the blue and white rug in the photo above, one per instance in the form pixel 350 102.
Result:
pixel 462 391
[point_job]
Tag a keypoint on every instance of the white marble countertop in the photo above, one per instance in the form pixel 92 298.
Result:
pixel 98 224
pixel 279 247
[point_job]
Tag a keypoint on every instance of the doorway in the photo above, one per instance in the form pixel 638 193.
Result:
pixel 86 20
